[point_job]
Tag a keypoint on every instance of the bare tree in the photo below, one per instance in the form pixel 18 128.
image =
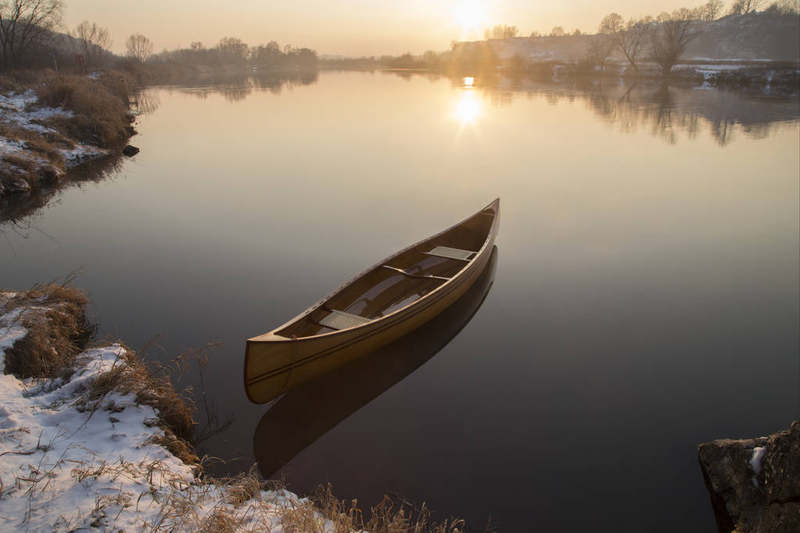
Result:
pixel 670 36
pixel 629 37
pixel 600 48
pixel 744 7
pixel 139 47
pixel 24 23
pixel 711 10
pixel 501 31
pixel 93 40
pixel 234 51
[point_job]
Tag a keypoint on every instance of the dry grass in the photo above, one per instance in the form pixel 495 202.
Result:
pixel 58 330
pixel 151 385
pixel 100 107
pixel 100 117
pixel 391 515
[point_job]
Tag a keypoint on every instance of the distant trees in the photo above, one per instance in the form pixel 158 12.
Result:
pixel 557 31
pixel 670 36
pixel 628 37
pixel 501 31
pixel 600 49
pixel 711 10
pixel 93 41
pixel 744 7
pixel 233 51
pixel 784 7
pixel 138 47
pixel 24 23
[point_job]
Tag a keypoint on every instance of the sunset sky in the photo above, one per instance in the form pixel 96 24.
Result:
pixel 346 27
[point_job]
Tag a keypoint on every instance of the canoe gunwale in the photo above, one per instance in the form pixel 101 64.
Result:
pixel 360 338
pixel 273 337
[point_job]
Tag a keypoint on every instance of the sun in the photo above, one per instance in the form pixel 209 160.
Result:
pixel 470 16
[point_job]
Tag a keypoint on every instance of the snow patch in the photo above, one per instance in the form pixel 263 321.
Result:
pixel 755 462
pixel 69 463
pixel 16 110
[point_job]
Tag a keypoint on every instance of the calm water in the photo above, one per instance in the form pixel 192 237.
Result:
pixel 644 297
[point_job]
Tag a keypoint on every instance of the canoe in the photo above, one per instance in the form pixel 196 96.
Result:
pixel 306 413
pixel 386 301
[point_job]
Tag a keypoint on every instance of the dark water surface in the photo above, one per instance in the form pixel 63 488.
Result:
pixel 644 298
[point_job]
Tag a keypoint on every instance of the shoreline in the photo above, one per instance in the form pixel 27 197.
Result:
pixel 92 437
pixel 53 123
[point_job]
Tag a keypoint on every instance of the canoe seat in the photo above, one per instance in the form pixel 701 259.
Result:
pixel 340 320
pixel 452 253
pixel 411 275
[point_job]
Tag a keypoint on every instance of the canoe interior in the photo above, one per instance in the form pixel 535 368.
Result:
pixel 382 290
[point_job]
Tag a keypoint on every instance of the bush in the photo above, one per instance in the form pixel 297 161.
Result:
pixel 100 107
pixel 57 331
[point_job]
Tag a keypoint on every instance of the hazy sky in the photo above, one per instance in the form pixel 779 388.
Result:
pixel 347 27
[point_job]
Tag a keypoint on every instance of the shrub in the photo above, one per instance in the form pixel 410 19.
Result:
pixel 100 107
pixel 58 330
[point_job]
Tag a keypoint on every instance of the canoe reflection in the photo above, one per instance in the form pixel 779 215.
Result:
pixel 309 411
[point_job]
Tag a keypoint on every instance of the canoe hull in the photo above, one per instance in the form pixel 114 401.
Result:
pixel 275 364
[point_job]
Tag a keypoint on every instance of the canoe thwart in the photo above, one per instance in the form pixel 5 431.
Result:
pixel 421 276
pixel 340 320
pixel 452 253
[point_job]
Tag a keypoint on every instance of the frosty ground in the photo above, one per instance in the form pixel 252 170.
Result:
pixel 92 440
pixel 75 457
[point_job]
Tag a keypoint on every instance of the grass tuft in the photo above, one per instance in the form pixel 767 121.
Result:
pixel 100 107
pixel 58 330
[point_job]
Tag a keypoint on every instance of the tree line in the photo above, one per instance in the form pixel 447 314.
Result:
pixel 664 39
pixel 231 51
pixel 29 38
pixel 708 12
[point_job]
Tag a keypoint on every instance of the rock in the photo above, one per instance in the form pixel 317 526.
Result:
pixel 130 151
pixel 754 483
pixel 17 185
pixel 51 174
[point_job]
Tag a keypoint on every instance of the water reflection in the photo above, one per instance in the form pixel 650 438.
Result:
pixel 666 111
pixel 306 413
pixel 237 87
pixel 17 211
pixel 468 107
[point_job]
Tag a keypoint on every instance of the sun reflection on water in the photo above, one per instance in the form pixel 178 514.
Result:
pixel 468 107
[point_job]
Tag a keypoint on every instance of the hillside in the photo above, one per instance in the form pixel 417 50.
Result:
pixel 757 36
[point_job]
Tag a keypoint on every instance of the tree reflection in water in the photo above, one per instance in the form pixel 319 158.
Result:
pixel 668 111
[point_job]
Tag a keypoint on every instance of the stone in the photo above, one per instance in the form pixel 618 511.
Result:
pixel 130 151
pixel 18 185
pixel 754 484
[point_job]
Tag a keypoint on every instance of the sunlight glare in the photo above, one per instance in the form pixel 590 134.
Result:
pixel 471 16
pixel 468 108
pixel 469 81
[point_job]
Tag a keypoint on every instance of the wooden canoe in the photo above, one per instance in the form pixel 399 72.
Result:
pixel 386 301
pixel 306 413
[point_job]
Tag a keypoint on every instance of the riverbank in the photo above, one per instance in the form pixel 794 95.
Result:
pixel 91 437
pixel 51 123
pixel 754 484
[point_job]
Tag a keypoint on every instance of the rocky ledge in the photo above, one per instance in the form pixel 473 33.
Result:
pixel 754 483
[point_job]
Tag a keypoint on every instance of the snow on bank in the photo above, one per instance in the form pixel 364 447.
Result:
pixel 20 110
pixel 70 462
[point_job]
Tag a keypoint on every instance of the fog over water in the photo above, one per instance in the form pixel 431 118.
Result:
pixel 644 297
